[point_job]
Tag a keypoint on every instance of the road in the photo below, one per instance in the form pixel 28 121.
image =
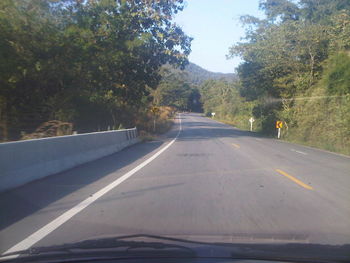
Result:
pixel 201 179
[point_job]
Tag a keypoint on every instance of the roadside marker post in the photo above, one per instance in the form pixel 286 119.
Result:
pixel 251 120
pixel 279 125
pixel 213 114
pixel 154 110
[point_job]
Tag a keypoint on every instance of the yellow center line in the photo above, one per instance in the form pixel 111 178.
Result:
pixel 295 180
pixel 236 145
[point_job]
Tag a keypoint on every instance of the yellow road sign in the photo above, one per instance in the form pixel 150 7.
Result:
pixel 279 124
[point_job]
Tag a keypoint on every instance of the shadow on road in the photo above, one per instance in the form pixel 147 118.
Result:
pixel 202 128
pixel 209 130
pixel 20 202
pixel 116 197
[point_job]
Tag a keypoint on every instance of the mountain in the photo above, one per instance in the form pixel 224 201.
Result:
pixel 197 75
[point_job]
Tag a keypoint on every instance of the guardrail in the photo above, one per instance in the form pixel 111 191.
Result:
pixel 25 161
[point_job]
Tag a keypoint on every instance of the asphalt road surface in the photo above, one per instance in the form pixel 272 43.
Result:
pixel 202 179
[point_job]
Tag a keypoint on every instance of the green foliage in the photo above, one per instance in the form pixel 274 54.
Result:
pixel 174 90
pixel 280 9
pixel 340 31
pixel 197 75
pixel 296 68
pixel 223 98
pixel 322 121
pixel 87 62
pixel 337 74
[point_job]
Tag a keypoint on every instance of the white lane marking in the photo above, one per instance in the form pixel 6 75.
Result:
pixel 47 229
pixel 258 139
pixel 298 152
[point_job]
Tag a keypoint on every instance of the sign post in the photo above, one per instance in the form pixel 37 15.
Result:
pixel 251 120
pixel 154 110
pixel 213 114
pixel 279 125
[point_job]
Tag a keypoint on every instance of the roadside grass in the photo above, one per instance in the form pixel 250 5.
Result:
pixel 322 141
pixel 163 123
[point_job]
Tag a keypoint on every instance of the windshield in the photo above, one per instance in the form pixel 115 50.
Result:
pixel 219 122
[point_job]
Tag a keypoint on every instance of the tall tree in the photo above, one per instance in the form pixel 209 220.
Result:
pixel 70 59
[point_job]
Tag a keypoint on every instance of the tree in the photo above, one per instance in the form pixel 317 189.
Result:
pixel 68 59
pixel 282 10
pixel 173 90
pixel 285 54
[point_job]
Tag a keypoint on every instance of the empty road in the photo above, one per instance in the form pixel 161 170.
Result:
pixel 201 179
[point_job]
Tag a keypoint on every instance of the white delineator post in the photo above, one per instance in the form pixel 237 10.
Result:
pixel 251 120
pixel 279 133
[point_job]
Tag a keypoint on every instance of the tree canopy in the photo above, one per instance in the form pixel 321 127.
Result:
pixel 295 69
pixel 92 63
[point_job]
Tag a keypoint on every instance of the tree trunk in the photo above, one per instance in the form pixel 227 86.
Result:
pixel 312 65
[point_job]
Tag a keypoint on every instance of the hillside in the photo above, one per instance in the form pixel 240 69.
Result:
pixel 295 69
pixel 197 75
pixel 181 88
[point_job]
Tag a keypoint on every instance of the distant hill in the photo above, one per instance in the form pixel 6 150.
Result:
pixel 197 75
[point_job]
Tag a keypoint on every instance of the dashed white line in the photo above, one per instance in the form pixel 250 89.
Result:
pixel 47 229
pixel 298 152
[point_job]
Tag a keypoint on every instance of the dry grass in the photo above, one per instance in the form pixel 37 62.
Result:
pixel 164 121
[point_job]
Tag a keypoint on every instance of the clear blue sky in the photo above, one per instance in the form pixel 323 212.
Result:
pixel 214 25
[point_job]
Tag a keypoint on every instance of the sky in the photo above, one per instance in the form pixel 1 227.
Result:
pixel 214 25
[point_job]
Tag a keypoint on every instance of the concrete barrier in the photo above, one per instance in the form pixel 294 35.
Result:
pixel 24 161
